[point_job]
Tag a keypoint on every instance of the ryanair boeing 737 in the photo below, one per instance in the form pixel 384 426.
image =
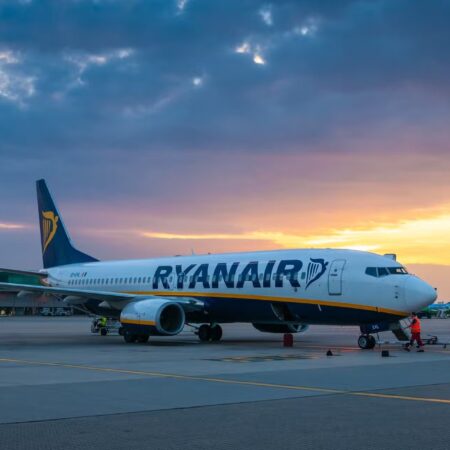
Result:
pixel 279 291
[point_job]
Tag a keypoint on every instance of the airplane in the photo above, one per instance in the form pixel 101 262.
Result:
pixel 281 291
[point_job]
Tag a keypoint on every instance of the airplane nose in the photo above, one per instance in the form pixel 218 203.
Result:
pixel 418 294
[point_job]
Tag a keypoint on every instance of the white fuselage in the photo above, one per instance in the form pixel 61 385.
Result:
pixel 319 286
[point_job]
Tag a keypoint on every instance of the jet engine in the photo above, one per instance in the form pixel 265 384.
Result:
pixel 155 316
pixel 281 327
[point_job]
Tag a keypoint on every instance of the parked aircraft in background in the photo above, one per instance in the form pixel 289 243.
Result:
pixel 276 291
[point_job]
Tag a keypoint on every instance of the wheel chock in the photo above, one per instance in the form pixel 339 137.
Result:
pixel 288 340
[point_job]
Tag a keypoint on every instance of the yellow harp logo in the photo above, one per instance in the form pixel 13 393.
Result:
pixel 49 227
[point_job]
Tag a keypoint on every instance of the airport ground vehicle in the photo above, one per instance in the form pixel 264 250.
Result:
pixel 280 291
pixel 112 327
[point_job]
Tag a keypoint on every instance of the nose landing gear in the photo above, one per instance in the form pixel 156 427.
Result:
pixel 366 341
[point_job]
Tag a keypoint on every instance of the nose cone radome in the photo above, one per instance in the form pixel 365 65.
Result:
pixel 419 294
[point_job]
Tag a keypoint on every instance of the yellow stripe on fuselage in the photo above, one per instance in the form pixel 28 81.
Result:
pixel 272 299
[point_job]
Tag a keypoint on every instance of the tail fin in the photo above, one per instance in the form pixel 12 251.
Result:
pixel 57 249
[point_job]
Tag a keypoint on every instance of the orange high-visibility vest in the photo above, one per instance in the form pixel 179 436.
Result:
pixel 415 327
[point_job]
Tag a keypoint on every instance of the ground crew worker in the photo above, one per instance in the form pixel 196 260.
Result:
pixel 415 333
pixel 103 321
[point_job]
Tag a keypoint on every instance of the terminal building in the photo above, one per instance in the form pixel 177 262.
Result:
pixel 25 302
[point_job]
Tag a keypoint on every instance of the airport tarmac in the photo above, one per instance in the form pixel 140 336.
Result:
pixel 62 387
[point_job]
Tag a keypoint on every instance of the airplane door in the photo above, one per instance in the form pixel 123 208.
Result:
pixel 335 277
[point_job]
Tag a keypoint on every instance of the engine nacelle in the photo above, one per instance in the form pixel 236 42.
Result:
pixel 281 327
pixel 156 316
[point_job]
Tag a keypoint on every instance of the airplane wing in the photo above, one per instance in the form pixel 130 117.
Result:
pixel 78 296
pixel 23 272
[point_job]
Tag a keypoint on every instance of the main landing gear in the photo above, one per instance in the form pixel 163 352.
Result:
pixel 366 342
pixel 208 333
pixel 131 338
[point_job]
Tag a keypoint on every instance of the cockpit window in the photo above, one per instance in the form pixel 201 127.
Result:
pixel 384 271
pixel 372 271
pixel 397 271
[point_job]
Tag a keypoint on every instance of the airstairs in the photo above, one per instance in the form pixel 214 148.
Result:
pixel 401 330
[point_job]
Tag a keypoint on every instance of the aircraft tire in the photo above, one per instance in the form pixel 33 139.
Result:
pixel 204 333
pixel 372 342
pixel 364 342
pixel 216 333
pixel 129 338
pixel 142 338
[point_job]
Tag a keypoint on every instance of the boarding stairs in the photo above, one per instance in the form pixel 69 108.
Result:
pixel 401 330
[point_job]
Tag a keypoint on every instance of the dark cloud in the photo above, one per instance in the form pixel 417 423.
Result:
pixel 359 63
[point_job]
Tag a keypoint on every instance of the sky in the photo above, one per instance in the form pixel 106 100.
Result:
pixel 169 127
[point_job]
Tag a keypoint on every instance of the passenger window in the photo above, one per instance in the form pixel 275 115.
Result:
pixel 372 271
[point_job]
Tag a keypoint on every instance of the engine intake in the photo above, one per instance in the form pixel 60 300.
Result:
pixel 280 327
pixel 156 316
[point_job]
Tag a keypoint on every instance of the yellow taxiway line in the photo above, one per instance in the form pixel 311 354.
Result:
pixel 228 381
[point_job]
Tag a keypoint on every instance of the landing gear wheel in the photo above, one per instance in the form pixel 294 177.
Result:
pixel 103 331
pixel 216 333
pixel 142 338
pixel 366 342
pixel 129 337
pixel 204 333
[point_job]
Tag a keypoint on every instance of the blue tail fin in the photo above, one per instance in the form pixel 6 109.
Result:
pixel 57 250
